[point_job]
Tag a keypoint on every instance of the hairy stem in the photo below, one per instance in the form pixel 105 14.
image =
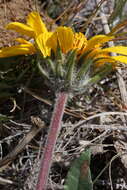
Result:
pixel 51 140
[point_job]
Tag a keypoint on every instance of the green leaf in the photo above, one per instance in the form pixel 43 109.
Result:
pixel 70 67
pixel 51 64
pixel 59 62
pixel 84 69
pixel 4 118
pixel 103 72
pixel 79 176
pixel 42 70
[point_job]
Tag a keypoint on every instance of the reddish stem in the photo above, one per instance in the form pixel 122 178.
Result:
pixel 51 140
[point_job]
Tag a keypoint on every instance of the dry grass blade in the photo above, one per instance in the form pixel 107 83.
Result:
pixel 70 12
pixel 112 127
pixel 38 124
pixel 81 123
pixel 121 82
pixel 122 89
pixel 48 102
pixel 5 181
pixel 93 15
pixel 118 10
pixel 118 27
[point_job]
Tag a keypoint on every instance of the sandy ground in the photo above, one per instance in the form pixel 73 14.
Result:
pixel 11 11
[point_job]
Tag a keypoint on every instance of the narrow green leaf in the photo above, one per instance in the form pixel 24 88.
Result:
pixel 43 72
pixel 79 176
pixel 70 67
pixel 51 64
pixel 4 118
pixel 84 68
pixel 85 182
pixel 59 63
pixel 101 74
pixel 21 75
pixel 83 57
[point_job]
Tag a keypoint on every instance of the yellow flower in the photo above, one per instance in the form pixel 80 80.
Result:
pixel 65 38
pixel 32 28
pixel 25 48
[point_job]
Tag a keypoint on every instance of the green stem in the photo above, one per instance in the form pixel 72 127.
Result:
pixel 54 129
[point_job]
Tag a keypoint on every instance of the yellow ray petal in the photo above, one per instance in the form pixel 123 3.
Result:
pixel 112 59
pixel 21 28
pixel 117 49
pixel 101 55
pixel 80 42
pixel 97 41
pixel 23 41
pixel 35 22
pixel 105 60
pixel 122 59
pixel 52 41
pixel 22 49
pixel 109 60
pixel 65 37
pixel 41 41
pixel 95 53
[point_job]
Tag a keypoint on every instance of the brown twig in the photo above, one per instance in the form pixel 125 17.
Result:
pixel 38 125
pixel 92 16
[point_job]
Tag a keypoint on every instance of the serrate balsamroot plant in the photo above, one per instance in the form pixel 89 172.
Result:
pixel 70 62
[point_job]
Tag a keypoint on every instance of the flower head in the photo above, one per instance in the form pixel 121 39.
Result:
pixel 77 53
pixel 67 40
